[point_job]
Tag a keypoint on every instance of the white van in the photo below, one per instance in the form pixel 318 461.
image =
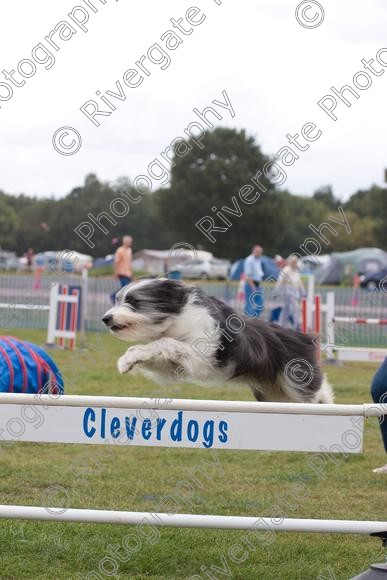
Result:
pixel 207 268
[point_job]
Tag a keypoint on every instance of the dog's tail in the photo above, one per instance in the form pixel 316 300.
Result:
pixel 325 393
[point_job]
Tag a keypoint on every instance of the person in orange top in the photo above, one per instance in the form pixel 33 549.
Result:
pixel 123 264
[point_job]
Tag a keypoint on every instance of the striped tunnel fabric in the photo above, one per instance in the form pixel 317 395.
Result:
pixel 26 368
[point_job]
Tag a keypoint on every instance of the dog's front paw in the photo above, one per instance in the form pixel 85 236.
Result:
pixel 126 362
pixel 122 365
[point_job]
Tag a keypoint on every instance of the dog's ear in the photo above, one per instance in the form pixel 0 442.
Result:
pixel 168 295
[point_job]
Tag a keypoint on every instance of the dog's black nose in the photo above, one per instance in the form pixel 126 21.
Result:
pixel 107 319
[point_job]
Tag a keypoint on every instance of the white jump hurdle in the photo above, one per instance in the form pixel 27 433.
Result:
pixel 314 310
pixel 358 354
pixel 189 423
pixel 60 302
pixel 193 521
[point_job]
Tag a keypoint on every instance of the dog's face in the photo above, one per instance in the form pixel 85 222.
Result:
pixel 144 310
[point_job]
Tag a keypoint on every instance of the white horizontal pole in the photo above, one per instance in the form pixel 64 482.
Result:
pixel 190 520
pixel 381 321
pixel 361 349
pixel 364 410
pixel 358 354
pixel 23 306
pixel 67 298
pixel 65 333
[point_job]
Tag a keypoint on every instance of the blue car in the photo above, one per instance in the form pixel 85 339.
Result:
pixel 373 280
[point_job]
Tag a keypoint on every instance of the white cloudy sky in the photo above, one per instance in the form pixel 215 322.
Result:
pixel 273 70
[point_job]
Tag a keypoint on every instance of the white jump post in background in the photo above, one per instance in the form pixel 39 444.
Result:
pixel 343 353
pixel 314 310
pixel 310 301
pixel 329 326
pixel 62 303
pixel 84 303
pixel 59 302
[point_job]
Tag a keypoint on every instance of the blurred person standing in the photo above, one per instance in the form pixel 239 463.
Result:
pixel 290 282
pixel 254 273
pixel 276 295
pixel 30 259
pixel 123 264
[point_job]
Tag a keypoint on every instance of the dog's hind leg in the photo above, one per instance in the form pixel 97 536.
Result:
pixel 302 393
pixel 325 393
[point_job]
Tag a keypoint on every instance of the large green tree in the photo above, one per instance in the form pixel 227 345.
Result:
pixel 203 178
pixel 208 177
pixel 372 203
pixel 94 197
pixel 9 224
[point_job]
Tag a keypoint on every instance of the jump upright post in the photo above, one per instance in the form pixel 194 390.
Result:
pixel 63 316
pixel 313 310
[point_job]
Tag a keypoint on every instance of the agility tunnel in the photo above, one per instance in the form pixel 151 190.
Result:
pixel 26 368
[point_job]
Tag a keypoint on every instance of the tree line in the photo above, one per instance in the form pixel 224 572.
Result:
pixel 202 182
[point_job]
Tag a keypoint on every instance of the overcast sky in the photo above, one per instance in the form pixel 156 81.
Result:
pixel 273 69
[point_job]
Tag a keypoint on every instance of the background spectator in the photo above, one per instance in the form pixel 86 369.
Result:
pixel 123 264
pixel 254 273
pixel 290 282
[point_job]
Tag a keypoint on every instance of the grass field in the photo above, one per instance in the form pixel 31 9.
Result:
pixel 246 483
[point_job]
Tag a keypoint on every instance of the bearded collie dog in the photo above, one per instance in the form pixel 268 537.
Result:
pixel 192 337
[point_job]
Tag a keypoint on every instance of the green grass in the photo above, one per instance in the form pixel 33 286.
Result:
pixel 138 478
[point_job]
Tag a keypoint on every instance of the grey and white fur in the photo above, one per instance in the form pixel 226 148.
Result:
pixel 196 338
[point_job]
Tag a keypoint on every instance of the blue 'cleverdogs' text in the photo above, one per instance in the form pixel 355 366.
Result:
pixel 96 424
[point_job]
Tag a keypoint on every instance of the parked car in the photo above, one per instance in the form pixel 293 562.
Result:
pixel 206 269
pixel 372 279
pixel 8 261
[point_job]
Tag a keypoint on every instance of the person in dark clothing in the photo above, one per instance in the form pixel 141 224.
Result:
pixel 379 395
